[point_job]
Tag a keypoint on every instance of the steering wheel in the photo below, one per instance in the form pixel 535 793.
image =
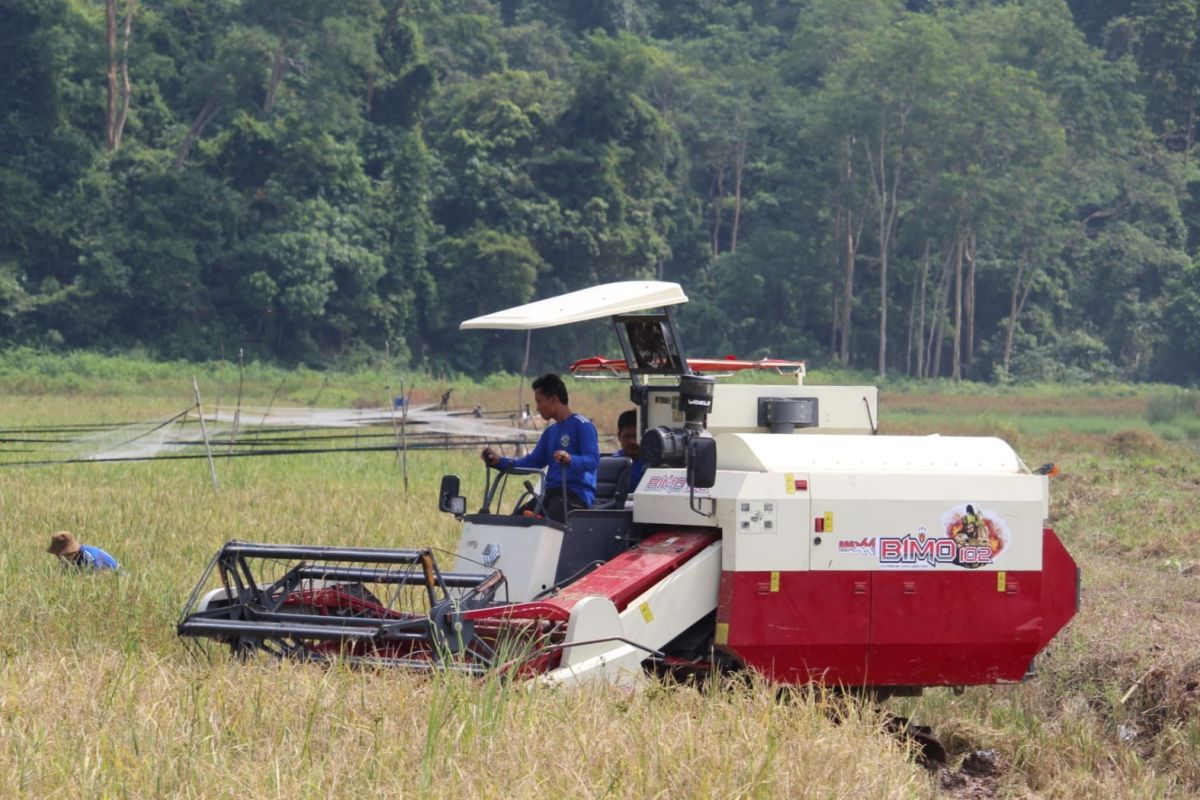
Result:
pixel 526 496
pixel 494 490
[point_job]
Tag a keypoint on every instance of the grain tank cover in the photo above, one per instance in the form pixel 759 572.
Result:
pixel 947 455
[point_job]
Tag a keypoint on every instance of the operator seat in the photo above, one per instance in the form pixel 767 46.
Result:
pixel 612 481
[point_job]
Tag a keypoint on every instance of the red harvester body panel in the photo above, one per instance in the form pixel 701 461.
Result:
pixel 899 628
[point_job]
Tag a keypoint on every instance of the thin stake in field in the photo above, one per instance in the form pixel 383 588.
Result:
pixel 237 411
pixel 212 466
pixel 400 430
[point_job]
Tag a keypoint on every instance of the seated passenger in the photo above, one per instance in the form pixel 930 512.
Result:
pixel 627 436
pixel 569 449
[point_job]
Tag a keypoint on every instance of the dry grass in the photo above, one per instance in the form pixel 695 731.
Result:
pixel 98 698
pixel 102 723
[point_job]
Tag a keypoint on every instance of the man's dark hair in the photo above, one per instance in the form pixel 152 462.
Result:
pixel 628 419
pixel 552 386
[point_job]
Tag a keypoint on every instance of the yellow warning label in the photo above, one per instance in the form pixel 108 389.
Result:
pixel 789 483
pixel 646 615
pixel 829 522
pixel 722 633
pixel 774 581
pixel 1001 582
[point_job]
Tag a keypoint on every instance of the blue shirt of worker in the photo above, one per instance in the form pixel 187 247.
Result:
pixel 577 435
pixel 93 558
pixel 636 471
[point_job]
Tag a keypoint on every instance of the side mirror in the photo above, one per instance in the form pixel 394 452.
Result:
pixel 701 462
pixel 449 500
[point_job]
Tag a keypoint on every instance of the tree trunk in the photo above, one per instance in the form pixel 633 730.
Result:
pixel 837 253
pixel 956 363
pixel 718 198
pixel 739 163
pixel 117 72
pixel 851 238
pixel 883 261
pixel 921 320
pixel 848 286
pixel 207 112
pixel 111 73
pixel 1015 306
pixel 886 191
pixel 912 321
pixel 110 31
pixel 938 330
pixel 970 303
pixel 279 67
pixel 833 323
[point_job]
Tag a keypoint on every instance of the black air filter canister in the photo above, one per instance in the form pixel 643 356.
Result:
pixel 695 399
pixel 785 414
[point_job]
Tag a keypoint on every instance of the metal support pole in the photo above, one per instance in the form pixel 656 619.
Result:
pixel 404 434
pixel 237 411
pixel 212 467
pixel 521 389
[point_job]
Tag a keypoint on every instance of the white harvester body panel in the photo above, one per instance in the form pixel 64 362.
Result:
pixel 869 503
pixel 651 620
pixel 527 555
pixel 840 409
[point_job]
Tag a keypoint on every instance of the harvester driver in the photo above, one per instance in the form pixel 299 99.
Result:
pixel 569 449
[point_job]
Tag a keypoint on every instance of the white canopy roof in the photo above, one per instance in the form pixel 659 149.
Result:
pixel 622 297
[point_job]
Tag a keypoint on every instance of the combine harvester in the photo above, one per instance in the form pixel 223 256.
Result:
pixel 773 531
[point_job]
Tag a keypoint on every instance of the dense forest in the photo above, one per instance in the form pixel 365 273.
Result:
pixel 956 188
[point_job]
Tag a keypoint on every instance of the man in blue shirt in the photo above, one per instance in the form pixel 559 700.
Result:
pixel 80 556
pixel 569 449
pixel 627 437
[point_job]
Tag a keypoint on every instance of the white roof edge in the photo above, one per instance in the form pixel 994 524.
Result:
pixel 605 300
pixel 947 455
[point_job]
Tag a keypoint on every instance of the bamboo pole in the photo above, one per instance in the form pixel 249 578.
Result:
pixel 521 387
pixel 212 467
pixel 404 434
pixel 237 411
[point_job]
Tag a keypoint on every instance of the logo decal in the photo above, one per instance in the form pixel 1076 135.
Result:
pixel 491 554
pixel 971 538
pixel 565 441
pixel 863 547
pixel 669 484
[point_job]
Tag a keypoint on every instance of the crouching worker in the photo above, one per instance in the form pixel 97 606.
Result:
pixel 80 556
pixel 569 449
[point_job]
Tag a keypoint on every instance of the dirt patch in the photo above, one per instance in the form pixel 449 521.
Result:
pixel 1135 442
pixel 1159 698
pixel 976 777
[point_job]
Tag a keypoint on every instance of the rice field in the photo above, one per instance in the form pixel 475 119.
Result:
pixel 99 699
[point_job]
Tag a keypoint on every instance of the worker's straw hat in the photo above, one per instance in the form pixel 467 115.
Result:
pixel 63 544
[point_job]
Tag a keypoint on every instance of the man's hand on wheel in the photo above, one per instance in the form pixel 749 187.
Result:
pixel 562 457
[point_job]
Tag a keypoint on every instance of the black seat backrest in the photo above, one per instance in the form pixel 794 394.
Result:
pixel 612 481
